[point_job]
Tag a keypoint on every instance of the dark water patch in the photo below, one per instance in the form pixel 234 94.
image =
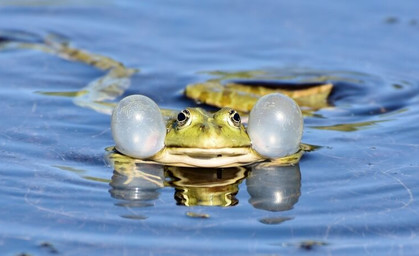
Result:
pixel 19 36
pixel 391 20
pixel 283 84
pixel 274 220
pixel 134 217
pixel 48 247
pixel 307 245
pixel 134 204
pixel 372 97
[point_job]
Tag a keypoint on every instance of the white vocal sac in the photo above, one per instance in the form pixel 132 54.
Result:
pixel 138 128
pixel 275 126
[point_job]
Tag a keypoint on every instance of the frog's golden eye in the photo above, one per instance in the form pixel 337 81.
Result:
pixel 235 118
pixel 183 117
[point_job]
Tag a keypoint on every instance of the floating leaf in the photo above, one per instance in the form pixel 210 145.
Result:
pixel 243 97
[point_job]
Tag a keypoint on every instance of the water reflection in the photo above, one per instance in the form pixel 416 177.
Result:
pixel 141 183
pixel 207 187
pixel 271 188
pixel 136 183
pixel 274 188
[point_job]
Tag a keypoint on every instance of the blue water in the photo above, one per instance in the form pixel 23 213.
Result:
pixel 356 195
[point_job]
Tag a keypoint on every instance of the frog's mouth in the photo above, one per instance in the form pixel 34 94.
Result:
pixel 209 153
pixel 202 157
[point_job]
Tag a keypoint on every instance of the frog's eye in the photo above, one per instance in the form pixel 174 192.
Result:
pixel 183 118
pixel 235 118
pixel 275 126
pixel 138 128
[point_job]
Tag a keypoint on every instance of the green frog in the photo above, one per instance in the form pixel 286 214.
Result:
pixel 197 138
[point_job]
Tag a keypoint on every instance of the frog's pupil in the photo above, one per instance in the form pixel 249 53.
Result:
pixel 181 117
pixel 236 117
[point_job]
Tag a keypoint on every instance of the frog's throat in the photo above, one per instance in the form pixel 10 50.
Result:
pixel 209 158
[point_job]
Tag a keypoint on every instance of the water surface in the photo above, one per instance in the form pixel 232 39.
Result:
pixel 355 195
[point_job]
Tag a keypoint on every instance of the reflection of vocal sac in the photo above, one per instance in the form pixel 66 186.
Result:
pixel 274 188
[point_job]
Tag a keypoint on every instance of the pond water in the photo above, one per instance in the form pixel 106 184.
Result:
pixel 357 194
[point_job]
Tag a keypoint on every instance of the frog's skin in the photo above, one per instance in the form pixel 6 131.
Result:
pixel 208 139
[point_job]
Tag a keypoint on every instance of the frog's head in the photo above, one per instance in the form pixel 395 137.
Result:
pixel 196 128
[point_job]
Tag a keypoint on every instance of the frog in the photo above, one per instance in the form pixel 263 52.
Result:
pixel 210 140
pixel 198 138
pixel 192 137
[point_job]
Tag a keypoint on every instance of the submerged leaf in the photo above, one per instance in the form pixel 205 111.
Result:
pixel 134 217
pixel 197 215
pixel 274 220
pixel 350 127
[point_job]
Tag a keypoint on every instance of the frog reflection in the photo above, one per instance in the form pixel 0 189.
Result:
pixel 272 188
pixel 206 187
